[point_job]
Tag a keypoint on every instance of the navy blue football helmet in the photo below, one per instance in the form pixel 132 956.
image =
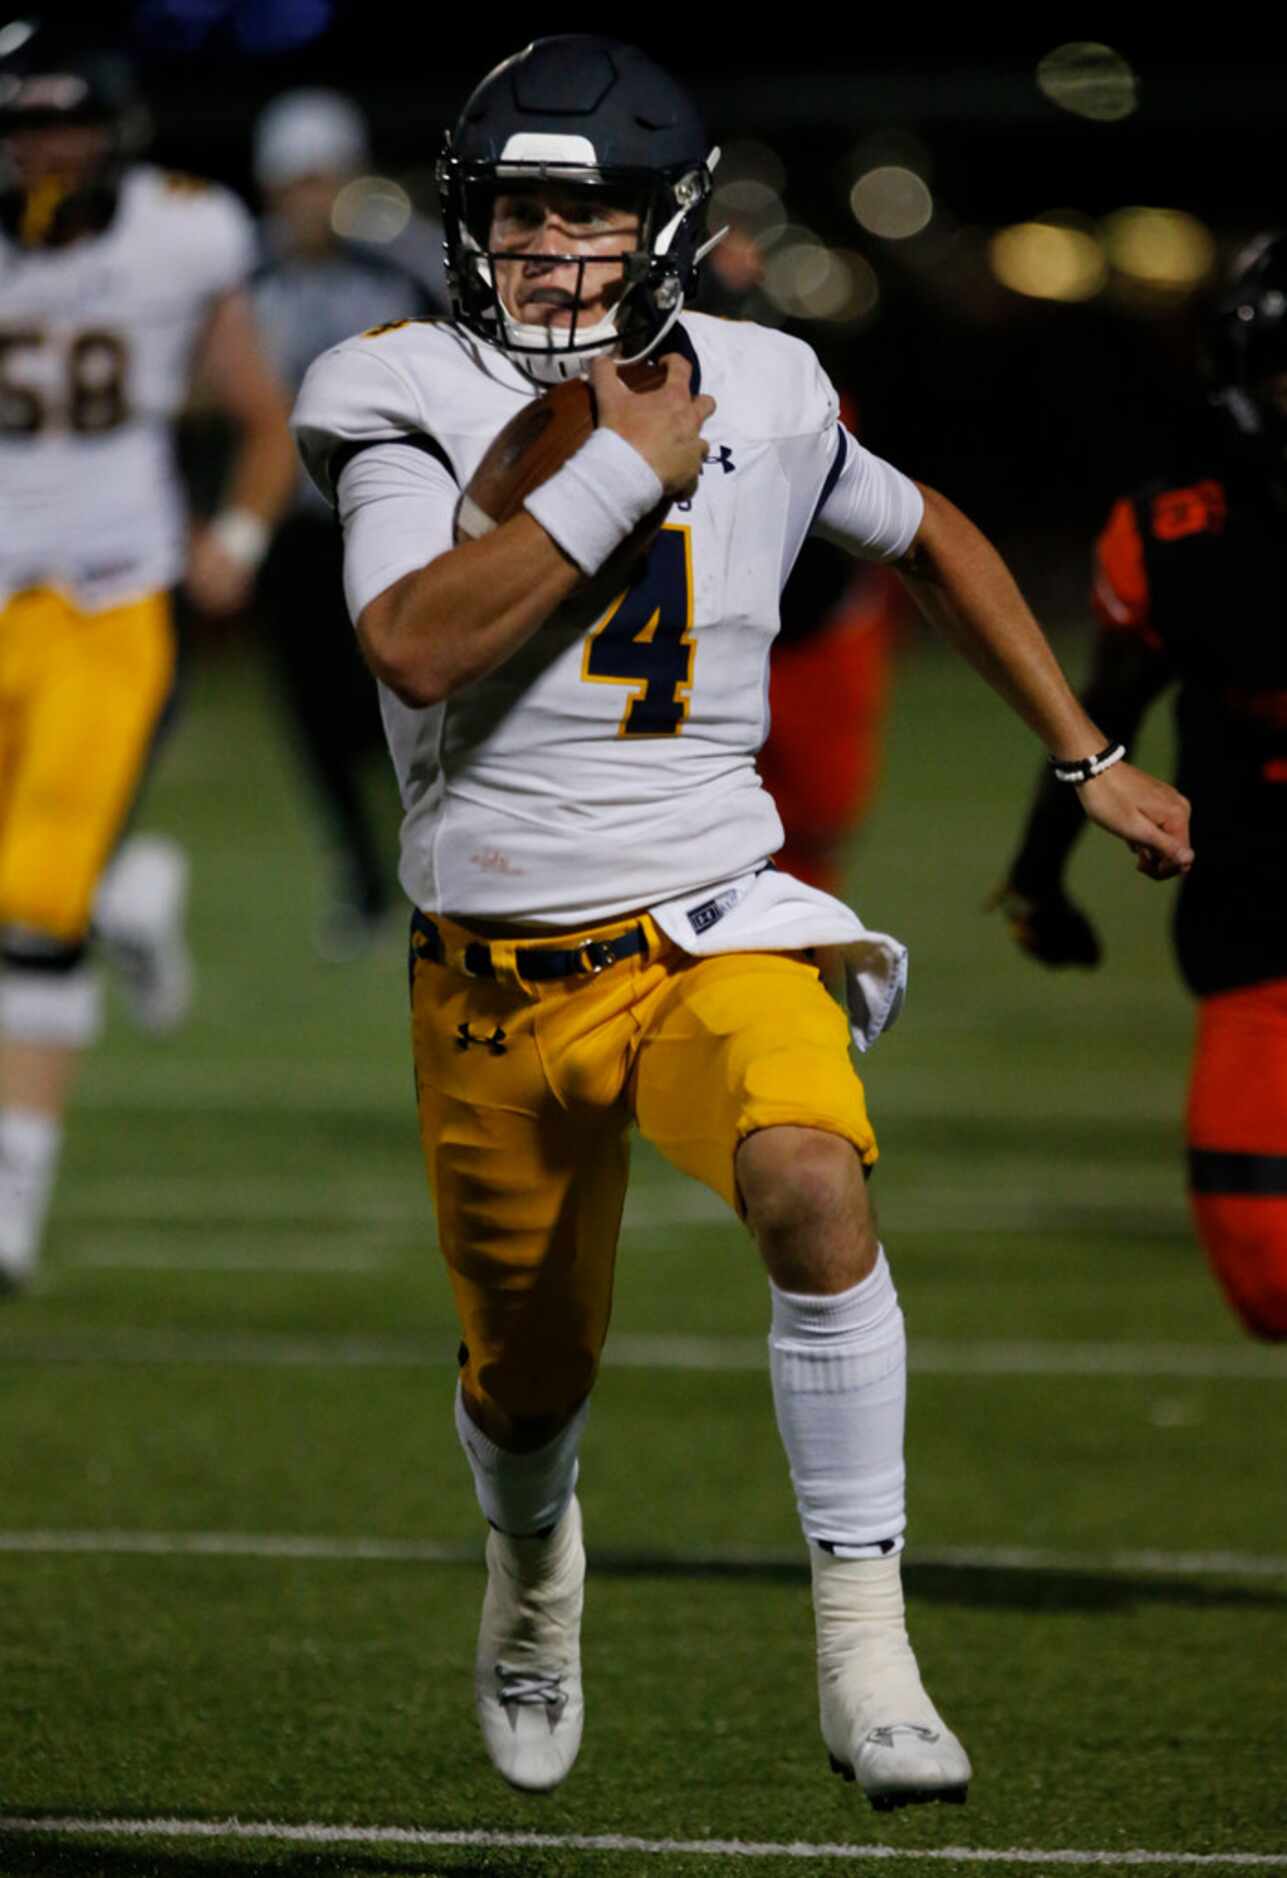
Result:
pixel 589 113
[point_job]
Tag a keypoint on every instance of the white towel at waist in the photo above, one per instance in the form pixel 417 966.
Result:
pixel 773 912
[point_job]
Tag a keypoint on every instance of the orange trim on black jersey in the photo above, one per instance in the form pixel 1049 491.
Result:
pixel 1201 509
pixel 1121 591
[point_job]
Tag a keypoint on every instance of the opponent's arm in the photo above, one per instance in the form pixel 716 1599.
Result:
pixel 1127 675
pixel 451 622
pixel 963 586
pixel 230 364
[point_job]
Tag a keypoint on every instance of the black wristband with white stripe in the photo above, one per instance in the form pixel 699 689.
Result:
pixel 1083 769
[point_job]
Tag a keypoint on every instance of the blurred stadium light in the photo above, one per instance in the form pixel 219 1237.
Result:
pixel 892 202
pixel 807 280
pixel 371 208
pixel 1056 257
pixel 1089 80
pixel 1167 253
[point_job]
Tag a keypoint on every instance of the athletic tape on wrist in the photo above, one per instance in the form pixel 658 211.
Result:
pixel 591 504
pixel 242 535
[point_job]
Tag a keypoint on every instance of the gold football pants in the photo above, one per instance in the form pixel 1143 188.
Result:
pixel 80 696
pixel 527 1092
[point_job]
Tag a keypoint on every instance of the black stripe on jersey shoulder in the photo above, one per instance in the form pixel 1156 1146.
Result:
pixel 344 453
pixel 833 474
pixel 677 340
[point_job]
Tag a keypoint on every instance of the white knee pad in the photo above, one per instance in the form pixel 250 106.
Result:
pixel 62 1008
pixel 522 1493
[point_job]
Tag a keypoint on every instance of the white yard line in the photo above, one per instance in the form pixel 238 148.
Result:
pixel 361 1549
pixel 282 1834
pixel 929 1356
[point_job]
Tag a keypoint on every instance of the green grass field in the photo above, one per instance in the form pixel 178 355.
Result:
pixel 239 1556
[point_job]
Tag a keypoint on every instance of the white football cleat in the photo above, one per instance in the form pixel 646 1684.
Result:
pixel 139 914
pixel 527 1674
pixel 23 1202
pixel 17 1259
pixel 879 1726
pixel 27 1167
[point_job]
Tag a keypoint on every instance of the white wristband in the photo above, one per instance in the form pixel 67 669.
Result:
pixel 590 505
pixel 242 535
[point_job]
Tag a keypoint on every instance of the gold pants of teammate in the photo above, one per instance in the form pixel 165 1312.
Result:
pixel 80 696
pixel 527 1092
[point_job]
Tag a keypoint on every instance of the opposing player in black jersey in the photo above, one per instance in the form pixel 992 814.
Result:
pixel 1186 574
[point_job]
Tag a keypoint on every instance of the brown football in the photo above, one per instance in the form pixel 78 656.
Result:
pixel 537 441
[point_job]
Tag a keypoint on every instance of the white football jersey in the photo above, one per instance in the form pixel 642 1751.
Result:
pixel 96 344
pixel 609 764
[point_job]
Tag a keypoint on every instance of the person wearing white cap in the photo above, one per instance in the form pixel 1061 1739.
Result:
pixel 309 133
pixel 316 286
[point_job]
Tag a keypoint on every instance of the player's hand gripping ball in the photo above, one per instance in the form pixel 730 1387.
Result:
pixel 537 441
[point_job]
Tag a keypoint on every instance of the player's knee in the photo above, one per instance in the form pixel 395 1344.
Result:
pixel 1245 1239
pixel 801 1183
pixel 49 994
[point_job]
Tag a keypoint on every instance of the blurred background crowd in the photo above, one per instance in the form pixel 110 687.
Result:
pixel 997 244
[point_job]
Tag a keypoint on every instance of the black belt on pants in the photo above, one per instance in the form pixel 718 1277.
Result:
pixel 532 962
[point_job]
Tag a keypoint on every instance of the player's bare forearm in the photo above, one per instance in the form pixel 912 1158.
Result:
pixel 453 621
pixel 230 364
pixel 964 587
pixel 265 466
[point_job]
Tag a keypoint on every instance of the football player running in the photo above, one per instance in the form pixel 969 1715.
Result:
pixel 1185 570
pixel 117 283
pixel 600 938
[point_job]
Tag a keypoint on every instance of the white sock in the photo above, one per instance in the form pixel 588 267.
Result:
pixel 29 1145
pixel 521 1494
pixel 839 1369
pixel 63 1009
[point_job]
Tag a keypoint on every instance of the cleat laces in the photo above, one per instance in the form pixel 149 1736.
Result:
pixel 530 1688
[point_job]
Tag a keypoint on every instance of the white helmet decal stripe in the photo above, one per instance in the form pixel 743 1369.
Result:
pixel 538 146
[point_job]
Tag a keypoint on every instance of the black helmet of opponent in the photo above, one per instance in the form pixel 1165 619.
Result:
pixel 1246 347
pixel 588 112
pixel 51 75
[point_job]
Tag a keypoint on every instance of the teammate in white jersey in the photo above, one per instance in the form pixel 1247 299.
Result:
pixel 600 940
pixel 117 283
